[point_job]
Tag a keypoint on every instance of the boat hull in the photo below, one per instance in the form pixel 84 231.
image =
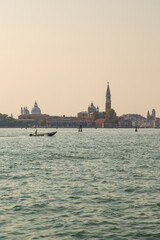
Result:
pixel 43 134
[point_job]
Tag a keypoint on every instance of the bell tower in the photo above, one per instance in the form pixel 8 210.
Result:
pixel 108 98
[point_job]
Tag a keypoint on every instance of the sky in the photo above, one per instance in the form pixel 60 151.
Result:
pixel 62 53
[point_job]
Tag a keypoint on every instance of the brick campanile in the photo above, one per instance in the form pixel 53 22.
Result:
pixel 108 98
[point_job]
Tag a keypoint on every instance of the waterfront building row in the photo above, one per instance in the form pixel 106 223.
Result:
pixel 90 118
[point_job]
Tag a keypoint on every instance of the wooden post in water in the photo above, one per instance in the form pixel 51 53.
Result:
pixel 80 128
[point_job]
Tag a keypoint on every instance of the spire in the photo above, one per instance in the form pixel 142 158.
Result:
pixel 154 113
pixel 108 94
pixel 148 116
pixel 21 111
pixel 35 105
pixel 97 109
pixel 108 98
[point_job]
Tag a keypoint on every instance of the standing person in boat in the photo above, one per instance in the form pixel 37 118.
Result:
pixel 36 132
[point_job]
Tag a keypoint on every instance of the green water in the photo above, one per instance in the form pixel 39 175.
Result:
pixel 98 184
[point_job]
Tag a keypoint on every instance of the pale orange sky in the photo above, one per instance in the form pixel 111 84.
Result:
pixel 62 53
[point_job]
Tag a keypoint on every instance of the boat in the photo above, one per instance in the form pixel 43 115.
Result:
pixel 42 134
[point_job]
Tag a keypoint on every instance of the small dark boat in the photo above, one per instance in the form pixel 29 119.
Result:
pixel 42 134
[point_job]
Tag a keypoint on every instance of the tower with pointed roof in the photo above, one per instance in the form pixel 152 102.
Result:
pixel 108 98
pixel 148 116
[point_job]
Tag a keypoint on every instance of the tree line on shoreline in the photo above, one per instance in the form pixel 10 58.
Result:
pixel 6 121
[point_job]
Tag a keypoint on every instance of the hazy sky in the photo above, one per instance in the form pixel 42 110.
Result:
pixel 62 53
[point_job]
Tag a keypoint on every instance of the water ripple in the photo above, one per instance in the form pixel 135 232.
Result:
pixel 98 184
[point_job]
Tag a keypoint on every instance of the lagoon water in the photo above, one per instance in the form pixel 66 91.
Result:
pixel 98 184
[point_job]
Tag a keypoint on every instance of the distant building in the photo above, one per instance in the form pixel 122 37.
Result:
pixel 36 109
pixel 148 116
pixel 104 123
pixel 24 111
pixel 86 115
pixel 35 113
pixel 136 120
pixel 124 123
pixel 91 108
pixel 94 113
pixel 83 115
pixel 154 113
pixel 108 98
pixel 151 117
pixel 157 123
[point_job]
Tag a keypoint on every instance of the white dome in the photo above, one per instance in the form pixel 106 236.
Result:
pixel 36 109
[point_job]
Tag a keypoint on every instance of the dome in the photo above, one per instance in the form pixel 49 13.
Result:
pixel 36 109
pixel 91 108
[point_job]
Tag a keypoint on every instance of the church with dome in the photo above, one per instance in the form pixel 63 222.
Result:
pixel 35 112
pixel 92 108
pixel 87 115
pixel 36 109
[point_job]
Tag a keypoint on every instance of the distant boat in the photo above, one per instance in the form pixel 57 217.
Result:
pixel 42 134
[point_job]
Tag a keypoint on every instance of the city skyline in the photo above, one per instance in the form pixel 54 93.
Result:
pixel 63 53
pixel 91 108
